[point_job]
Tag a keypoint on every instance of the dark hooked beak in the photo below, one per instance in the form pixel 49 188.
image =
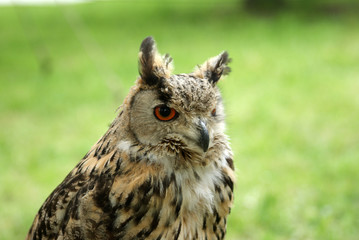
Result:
pixel 203 140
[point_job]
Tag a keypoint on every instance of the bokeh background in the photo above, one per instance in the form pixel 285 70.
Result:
pixel 292 101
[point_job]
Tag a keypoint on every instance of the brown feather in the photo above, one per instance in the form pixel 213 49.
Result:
pixel 146 179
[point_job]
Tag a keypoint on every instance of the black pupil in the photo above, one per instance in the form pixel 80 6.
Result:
pixel 165 111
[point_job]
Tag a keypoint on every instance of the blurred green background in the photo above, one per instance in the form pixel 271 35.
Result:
pixel 292 101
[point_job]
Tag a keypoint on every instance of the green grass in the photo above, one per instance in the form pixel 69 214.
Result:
pixel 292 105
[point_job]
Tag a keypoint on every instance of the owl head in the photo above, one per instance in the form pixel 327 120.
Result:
pixel 177 114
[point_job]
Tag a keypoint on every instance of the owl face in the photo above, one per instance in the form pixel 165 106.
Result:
pixel 181 111
pixel 185 108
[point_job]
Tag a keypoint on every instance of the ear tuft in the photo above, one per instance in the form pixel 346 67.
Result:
pixel 146 59
pixel 152 66
pixel 214 68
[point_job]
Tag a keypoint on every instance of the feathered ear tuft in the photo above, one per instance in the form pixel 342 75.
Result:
pixel 214 68
pixel 152 66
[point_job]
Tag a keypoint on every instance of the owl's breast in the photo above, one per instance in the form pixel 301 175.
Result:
pixel 206 201
pixel 153 199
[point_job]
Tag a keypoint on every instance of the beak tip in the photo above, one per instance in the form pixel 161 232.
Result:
pixel 204 148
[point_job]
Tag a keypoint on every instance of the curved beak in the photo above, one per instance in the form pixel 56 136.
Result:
pixel 203 140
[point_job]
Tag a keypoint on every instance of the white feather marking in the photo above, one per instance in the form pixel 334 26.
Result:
pixel 124 145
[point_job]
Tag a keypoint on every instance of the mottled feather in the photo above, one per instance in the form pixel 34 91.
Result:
pixel 149 179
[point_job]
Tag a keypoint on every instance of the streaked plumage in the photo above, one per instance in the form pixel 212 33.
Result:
pixel 149 177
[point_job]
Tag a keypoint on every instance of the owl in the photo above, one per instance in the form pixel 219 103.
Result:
pixel 163 169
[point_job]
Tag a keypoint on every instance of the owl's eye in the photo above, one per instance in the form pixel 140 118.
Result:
pixel 214 112
pixel 164 113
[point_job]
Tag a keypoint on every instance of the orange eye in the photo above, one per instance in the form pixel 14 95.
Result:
pixel 164 113
pixel 214 112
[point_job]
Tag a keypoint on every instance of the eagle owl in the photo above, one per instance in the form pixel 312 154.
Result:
pixel 163 170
